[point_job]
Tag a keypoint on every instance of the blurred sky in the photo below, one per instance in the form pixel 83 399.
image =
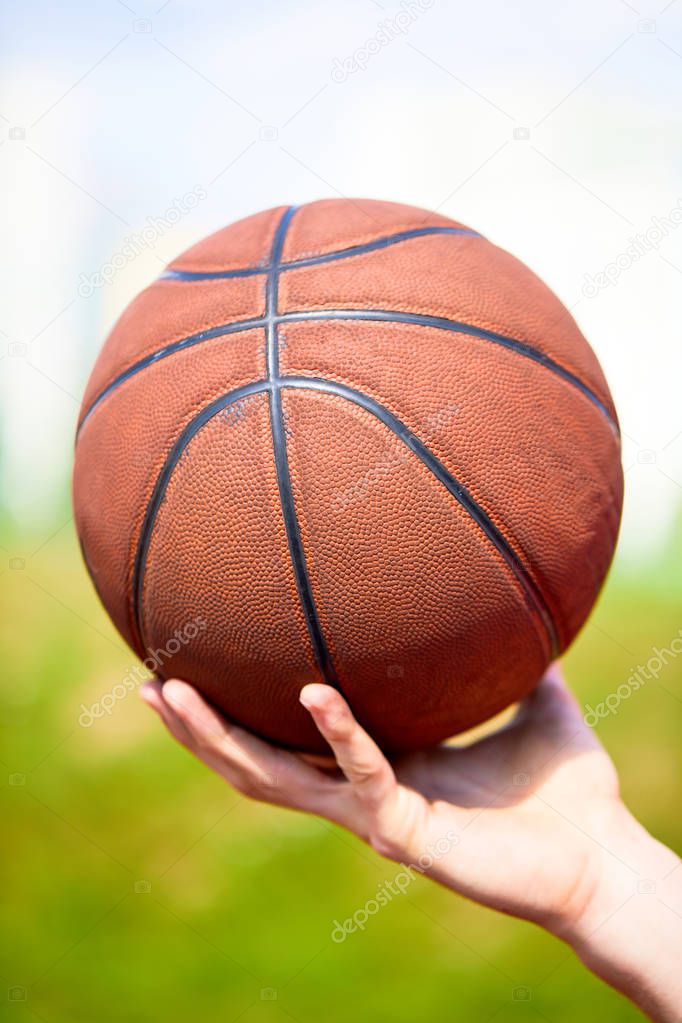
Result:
pixel 554 130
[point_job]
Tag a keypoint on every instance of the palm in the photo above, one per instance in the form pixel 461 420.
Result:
pixel 527 804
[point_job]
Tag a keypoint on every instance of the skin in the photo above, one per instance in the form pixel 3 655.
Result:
pixel 528 821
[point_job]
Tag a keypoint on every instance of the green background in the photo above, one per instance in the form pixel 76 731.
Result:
pixel 137 886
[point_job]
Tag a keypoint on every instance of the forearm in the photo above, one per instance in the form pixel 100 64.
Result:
pixel 630 933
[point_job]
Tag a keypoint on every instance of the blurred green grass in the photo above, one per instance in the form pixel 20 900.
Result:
pixel 234 915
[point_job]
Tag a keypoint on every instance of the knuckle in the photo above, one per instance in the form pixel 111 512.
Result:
pixel 365 774
pixel 372 778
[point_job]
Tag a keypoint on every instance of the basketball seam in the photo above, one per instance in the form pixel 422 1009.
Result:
pixel 385 241
pixel 529 587
pixel 279 444
pixel 209 334
pixel 371 315
pixel 462 495
pixel 159 490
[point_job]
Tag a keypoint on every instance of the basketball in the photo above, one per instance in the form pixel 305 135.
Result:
pixel 352 442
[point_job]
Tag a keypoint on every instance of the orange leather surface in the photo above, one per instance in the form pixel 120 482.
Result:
pixel 485 413
pixel 122 447
pixel 330 224
pixel 246 243
pixel 460 278
pixel 411 511
pixel 427 627
pixel 166 312
pixel 230 566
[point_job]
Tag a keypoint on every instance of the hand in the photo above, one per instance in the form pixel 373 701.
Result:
pixel 528 820
pixel 517 805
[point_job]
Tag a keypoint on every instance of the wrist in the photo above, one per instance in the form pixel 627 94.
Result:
pixel 628 929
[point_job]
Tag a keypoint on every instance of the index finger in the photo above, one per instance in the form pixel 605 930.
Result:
pixel 362 762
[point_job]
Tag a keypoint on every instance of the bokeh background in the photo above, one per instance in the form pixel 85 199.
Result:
pixel 137 886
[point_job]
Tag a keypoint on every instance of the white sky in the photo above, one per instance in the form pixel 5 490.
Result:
pixel 124 110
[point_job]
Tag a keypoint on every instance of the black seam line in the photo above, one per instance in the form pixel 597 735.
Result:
pixel 272 295
pixel 163 479
pixel 457 327
pixel 162 353
pixel 456 489
pixel 295 542
pixel 213 275
pixel 324 257
pixel 279 445
pixel 379 315
pixel 534 596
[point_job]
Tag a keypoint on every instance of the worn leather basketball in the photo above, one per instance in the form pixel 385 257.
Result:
pixel 353 442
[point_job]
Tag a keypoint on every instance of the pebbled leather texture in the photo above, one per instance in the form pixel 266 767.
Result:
pixel 418 514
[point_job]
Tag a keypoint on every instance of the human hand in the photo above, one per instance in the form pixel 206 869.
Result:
pixel 528 820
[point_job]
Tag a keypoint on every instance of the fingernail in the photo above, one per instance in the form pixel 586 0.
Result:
pixel 172 692
pixel 307 699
